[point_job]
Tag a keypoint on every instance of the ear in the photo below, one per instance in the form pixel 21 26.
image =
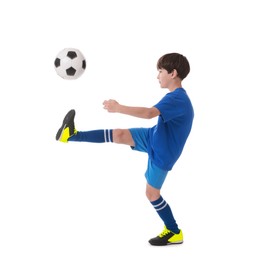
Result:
pixel 174 74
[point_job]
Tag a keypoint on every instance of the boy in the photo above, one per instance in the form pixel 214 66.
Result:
pixel 163 142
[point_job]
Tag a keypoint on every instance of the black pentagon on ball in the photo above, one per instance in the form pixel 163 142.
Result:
pixel 83 64
pixel 72 54
pixel 70 71
pixel 57 62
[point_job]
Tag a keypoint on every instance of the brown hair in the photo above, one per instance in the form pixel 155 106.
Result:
pixel 174 61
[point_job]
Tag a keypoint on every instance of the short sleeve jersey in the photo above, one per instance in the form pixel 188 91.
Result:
pixel 169 136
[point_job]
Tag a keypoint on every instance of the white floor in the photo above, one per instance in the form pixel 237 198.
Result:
pixel 81 201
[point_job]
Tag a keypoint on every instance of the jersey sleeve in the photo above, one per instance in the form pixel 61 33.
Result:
pixel 170 107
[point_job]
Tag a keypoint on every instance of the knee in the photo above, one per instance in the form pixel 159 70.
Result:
pixel 152 194
pixel 118 135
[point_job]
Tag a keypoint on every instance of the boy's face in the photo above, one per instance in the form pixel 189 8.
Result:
pixel 165 78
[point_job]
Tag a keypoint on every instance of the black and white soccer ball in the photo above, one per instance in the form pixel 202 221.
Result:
pixel 70 63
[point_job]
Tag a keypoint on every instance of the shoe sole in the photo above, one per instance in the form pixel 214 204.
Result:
pixel 168 244
pixel 67 118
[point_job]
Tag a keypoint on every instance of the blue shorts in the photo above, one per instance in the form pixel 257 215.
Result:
pixel 154 175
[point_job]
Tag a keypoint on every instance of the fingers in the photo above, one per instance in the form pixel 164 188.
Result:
pixel 107 104
pixel 110 105
pixel 104 105
pixel 107 101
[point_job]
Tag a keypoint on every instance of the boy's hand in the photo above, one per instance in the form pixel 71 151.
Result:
pixel 111 105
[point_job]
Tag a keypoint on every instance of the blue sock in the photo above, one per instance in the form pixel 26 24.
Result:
pixel 95 136
pixel 165 213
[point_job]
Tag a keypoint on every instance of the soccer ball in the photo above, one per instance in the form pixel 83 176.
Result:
pixel 70 63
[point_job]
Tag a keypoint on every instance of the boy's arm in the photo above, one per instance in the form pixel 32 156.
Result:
pixel 141 112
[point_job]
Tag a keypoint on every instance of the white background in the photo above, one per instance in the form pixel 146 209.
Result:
pixel 87 201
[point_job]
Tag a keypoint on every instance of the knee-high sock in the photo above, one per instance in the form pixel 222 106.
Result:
pixel 165 213
pixel 95 136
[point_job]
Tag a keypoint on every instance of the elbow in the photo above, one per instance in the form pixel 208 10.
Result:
pixel 149 116
pixel 151 113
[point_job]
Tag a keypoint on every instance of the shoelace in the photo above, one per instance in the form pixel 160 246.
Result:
pixel 165 232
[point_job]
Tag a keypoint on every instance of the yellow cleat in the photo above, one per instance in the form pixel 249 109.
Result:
pixel 67 128
pixel 167 237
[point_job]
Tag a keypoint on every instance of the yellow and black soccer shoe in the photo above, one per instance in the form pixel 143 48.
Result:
pixel 67 128
pixel 167 237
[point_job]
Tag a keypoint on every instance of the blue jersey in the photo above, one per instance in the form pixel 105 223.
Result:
pixel 168 137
